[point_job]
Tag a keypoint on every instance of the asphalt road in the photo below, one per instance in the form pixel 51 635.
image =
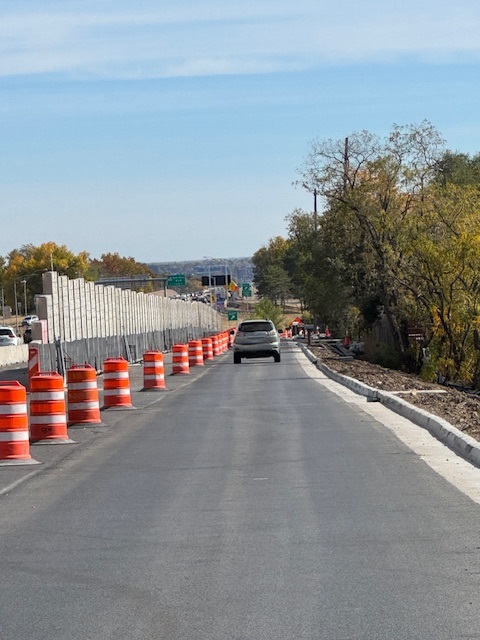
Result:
pixel 248 502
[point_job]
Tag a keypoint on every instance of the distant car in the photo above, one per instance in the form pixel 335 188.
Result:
pixel 27 335
pixel 256 339
pixel 27 321
pixel 8 337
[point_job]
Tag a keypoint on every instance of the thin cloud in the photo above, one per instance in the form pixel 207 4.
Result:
pixel 135 40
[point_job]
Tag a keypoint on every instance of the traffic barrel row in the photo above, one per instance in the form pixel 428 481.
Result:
pixel 197 352
pixel 50 412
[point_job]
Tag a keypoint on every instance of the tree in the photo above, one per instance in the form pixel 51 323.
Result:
pixel 113 265
pixel 316 270
pixel 266 257
pixel 372 189
pixel 443 276
pixel 29 262
pixel 276 283
pixel 268 310
pixel 459 169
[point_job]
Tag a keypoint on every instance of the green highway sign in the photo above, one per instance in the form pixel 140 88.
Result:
pixel 246 290
pixel 232 315
pixel 178 280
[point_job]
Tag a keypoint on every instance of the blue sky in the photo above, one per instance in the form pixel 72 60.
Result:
pixel 173 130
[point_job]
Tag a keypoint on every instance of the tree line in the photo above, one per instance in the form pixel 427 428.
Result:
pixel 395 242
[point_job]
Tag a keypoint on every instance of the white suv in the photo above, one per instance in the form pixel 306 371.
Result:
pixel 256 339
pixel 27 321
pixel 8 337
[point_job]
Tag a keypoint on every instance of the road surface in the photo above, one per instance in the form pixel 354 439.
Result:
pixel 249 502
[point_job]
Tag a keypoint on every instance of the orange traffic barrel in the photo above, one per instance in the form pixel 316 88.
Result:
pixel 207 349
pixel 153 371
pixel 14 436
pixel 83 406
pixel 180 359
pixel 48 415
pixel 116 384
pixel 33 363
pixel 231 338
pixel 195 353
pixel 225 341
pixel 216 345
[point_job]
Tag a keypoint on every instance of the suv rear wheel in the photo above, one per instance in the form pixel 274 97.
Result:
pixel 276 356
pixel 237 358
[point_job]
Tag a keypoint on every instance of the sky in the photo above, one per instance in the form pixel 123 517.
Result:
pixel 172 130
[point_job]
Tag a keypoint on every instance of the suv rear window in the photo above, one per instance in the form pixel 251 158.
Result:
pixel 6 332
pixel 255 326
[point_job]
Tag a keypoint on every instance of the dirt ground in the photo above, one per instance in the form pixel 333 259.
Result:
pixel 458 408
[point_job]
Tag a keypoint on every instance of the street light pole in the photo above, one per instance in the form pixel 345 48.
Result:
pixel 209 279
pixel 16 304
pixel 24 282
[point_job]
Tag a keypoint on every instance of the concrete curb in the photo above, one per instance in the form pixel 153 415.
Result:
pixel 459 442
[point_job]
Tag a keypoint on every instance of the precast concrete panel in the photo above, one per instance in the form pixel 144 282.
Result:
pixel 131 324
pixel 137 304
pixel 89 309
pixel 71 309
pixel 120 316
pixel 110 311
pixel 99 324
pixel 143 313
pixel 126 312
pixel 55 324
pixel 83 309
pixel 118 328
pixel 140 312
pixel 153 303
pixel 63 308
pixel 77 305
pixel 43 305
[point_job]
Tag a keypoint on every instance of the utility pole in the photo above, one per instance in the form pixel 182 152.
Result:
pixel 345 166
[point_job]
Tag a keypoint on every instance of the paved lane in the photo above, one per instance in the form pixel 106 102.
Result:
pixel 251 504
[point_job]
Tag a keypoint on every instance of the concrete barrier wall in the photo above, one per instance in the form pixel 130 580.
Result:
pixel 13 355
pixel 92 322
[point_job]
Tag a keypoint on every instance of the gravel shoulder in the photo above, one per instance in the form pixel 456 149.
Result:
pixel 459 409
